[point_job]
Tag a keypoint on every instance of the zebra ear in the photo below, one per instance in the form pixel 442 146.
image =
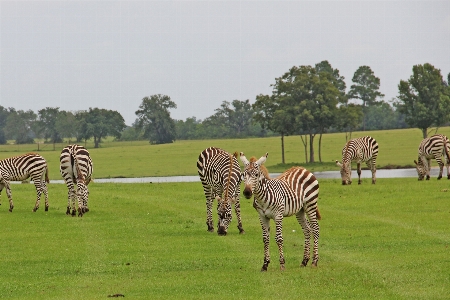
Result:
pixel 262 160
pixel 243 158
pixel 338 164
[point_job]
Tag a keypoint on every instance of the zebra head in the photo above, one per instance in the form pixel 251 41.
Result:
pixel 252 173
pixel 421 172
pixel 346 172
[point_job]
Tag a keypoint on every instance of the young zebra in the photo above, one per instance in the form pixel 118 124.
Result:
pixel 19 168
pixel 364 149
pixel 220 175
pixel 294 192
pixel 76 168
pixel 435 147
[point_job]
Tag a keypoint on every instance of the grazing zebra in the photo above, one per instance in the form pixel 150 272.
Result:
pixel 435 147
pixel 76 168
pixel 364 149
pixel 220 175
pixel 294 192
pixel 19 168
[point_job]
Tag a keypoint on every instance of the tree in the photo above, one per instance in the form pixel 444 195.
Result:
pixel 311 98
pixel 365 89
pixel 424 98
pixel 47 124
pixel 99 123
pixel 3 117
pixel 349 118
pixel 154 119
pixel 20 125
pixel 66 124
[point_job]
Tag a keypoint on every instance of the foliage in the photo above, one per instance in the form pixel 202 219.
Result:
pixel 3 117
pixel 349 118
pixel 365 88
pixel 424 98
pixel 141 241
pixel 46 122
pixel 154 119
pixel 20 125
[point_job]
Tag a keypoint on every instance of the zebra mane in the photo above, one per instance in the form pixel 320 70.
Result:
pixel 262 167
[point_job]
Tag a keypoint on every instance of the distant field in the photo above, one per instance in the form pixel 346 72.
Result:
pixel 140 159
pixel 149 241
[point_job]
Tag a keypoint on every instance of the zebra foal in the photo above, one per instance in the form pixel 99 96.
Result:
pixel 220 175
pixel 76 168
pixel 294 192
pixel 19 168
pixel 435 147
pixel 364 149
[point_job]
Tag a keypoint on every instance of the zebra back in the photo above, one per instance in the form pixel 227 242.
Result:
pixel 360 149
pixel 21 167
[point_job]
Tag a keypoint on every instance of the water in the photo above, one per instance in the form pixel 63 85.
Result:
pixel 382 173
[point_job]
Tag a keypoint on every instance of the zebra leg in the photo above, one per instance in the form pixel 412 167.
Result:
pixel 441 167
pixel 38 185
pixel 209 221
pixel 301 218
pixel 314 226
pixel 9 194
pixel 45 190
pixel 428 167
pixel 279 239
pixel 237 209
pixel 265 225
pixel 358 170
pixel 373 168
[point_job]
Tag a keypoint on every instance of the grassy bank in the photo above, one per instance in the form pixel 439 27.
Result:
pixel 398 148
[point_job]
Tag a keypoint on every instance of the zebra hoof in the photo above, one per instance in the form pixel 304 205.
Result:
pixel 46 208
pixel 304 262
pixel 282 267
pixel 264 268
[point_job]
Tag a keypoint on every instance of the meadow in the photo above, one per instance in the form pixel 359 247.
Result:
pixel 397 148
pixel 149 241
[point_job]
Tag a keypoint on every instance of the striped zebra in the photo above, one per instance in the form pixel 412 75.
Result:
pixel 294 192
pixel 220 175
pixel 76 168
pixel 363 149
pixel 435 147
pixel 19 168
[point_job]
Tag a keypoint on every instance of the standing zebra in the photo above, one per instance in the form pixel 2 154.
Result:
pixel 435 147
pixel 363 149
pixel 294 192
pixel 220 175
pixel 76 167
pixel 21 167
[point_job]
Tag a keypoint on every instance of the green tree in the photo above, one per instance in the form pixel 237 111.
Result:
pixel 187 130
pixel 47 124
pixel 424 98
pixel 20 125
pixel 3 117
pixel 154 119
pixel 365 88
pixel 349 118
pixel 99 123
pixel 66 124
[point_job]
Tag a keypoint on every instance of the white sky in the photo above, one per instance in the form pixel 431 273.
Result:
pixel 111 54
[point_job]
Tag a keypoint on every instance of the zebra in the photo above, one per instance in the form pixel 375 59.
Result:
pixel 220 175
pixel 19 168
pixel 363 149
pixel 76 167
pixel 435 147
pixel 294 192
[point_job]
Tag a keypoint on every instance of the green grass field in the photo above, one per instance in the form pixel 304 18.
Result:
pixel 149 241
pixel 140 159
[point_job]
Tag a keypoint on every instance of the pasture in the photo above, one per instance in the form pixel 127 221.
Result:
pixel 140 159
pixel 149 241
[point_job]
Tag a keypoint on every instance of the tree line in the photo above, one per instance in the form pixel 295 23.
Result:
pixel 307 101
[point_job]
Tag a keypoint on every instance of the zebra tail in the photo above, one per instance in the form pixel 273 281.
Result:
pixel 235 154
pixel 446 151
pixel 46 174
pixel 318 216
pixel 79 174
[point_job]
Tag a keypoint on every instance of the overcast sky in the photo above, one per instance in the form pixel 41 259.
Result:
pixel 111 54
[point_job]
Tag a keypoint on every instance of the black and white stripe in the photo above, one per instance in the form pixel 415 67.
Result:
pixel 220 175
pixel 76 168
pixel 435 147
pixel 19 168
pixel 364 149
pixel 294 192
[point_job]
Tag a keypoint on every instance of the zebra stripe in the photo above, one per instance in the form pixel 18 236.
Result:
pixel 294 192
pixel 19 168
pixel 364 149
pixel 435 147
pixel 220 175
pixel 76 168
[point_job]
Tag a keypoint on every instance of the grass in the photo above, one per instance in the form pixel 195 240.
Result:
pixel 149 241
pixel 398 148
